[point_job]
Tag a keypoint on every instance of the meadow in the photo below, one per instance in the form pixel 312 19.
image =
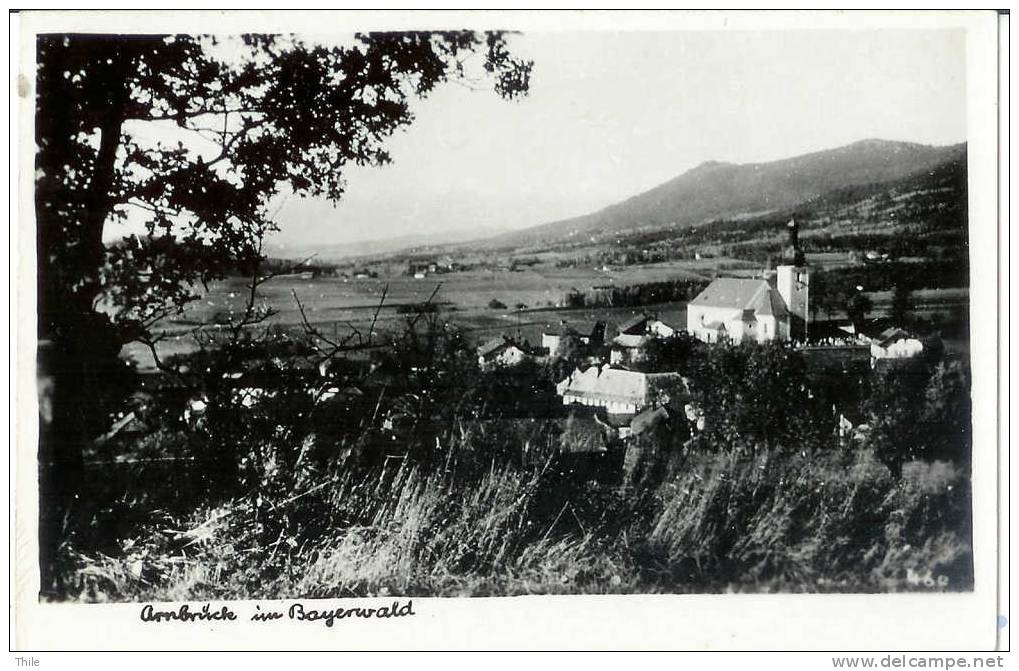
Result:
pixel 336 304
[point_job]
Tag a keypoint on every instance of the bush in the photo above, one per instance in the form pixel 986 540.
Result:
pixel 496 304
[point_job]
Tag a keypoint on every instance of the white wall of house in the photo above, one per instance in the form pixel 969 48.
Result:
pixel 660 329
pixel 550 341
pixel 900 349
pixel 614 407
pixel 511 356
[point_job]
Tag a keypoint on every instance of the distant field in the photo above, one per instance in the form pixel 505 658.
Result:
pixel 333 304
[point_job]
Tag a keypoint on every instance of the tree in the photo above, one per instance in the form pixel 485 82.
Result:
pixel 857 307
pixel 757 394
pixel 902 304
pixel 277 116
pixel 671 354
pixel 918 412
pixel 947 415
pixel 282 116
pixel 827 293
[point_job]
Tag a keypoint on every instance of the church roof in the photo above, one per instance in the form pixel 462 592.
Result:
pixel 740 293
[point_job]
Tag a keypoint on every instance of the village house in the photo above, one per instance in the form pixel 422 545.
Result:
pixel 895 343
pixel 628 349
pixel 630 346
pixel 762 310
pixel 500 351
pixel 646 325
pixel 619 391
pixel 553 336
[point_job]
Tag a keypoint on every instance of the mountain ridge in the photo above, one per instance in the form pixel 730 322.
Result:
pixel 716 189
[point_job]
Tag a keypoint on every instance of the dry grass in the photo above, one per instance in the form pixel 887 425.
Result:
pixel 833 521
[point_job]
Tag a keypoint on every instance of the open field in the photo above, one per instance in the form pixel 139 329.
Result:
pixel 334 304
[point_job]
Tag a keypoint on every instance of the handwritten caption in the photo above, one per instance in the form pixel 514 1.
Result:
pixel 297 612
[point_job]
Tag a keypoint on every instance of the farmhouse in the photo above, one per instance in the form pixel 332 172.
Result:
pixel 776 308
pixel 619 391
pixel 628 349
pixel 552 337
pixel 630 346
pixel 646 325
pixel 895 343
pixel 500 352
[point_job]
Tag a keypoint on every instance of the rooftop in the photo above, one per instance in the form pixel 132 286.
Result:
pixel 615 384
pixel 634 325
pixel 493 346
pixel 740 293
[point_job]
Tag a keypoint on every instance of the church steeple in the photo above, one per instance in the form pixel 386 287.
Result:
pixel 793 283
pixel 792 254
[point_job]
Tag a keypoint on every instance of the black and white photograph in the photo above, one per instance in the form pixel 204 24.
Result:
pixel 397 314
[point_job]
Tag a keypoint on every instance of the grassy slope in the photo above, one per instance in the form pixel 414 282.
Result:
pixel 830 521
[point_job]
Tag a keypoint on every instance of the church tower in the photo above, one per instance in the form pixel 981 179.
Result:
pixel 793 283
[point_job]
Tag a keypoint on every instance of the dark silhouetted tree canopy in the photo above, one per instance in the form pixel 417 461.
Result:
pixel 256 116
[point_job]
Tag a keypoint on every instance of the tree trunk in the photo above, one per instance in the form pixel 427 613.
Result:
pixel 77 361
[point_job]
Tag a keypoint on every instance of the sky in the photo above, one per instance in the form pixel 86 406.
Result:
pixel 611 114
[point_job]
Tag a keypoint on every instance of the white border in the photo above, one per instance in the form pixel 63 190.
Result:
pixel 755 622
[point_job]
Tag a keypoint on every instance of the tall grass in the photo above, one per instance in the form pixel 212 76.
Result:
pixel 783 521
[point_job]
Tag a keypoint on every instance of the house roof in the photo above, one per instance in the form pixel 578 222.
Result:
pixel 630 326
pixel 614 384
pixel 890 335
pixel 742 294
pixel 630 341
pixel 661 327
pixel 493 346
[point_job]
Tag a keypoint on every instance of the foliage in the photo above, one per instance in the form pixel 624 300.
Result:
pixel 920 411
pixel 283 115
pixel 672 354
pixel 635 295
pixel 757 395
pixel 857 306
pixel 902 304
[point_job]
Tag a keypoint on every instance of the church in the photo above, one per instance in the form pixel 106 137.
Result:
pixel 776 308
